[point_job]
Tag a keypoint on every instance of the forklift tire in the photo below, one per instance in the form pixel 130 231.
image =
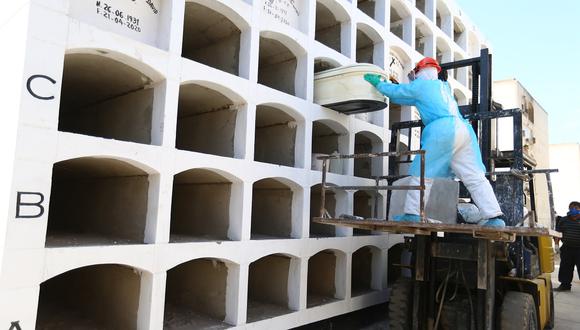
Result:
pixel 518 312
pixel 400 305
pixel 552 319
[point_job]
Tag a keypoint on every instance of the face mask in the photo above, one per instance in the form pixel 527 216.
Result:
pixel 428 73
pixel 574 212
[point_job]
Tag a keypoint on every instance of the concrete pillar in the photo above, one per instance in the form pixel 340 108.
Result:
pixel 342 275
pixel 409 30
pixel 236 294
pixel 151 301
pixel 237 302
pixel 299 196
pixel 246 214
pixel 348 39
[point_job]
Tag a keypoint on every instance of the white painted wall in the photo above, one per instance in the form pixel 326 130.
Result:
pixel 566 158
pixel 42 32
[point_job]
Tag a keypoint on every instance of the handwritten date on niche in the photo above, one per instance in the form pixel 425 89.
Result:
pixel 119 17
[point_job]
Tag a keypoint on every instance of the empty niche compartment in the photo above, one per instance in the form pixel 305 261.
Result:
pixel 422 33
pixel 277 66
pixel 362 270
pixel 367 7
pixel 322 279
pixel 328 27
pixel 363 207
pixel 96 201
pixel 268 287
pixel 366 142
pixel 195 295
pixel 93 297
pixel 271 210
pixel 365 47
pixel 323 64
pixel 397 20
pixel 328 138
pixel 206 121
pixel 106 98
pixel 275 141
pixel 144 21
pixel 200 207
pixel 211 38
pixel 318 229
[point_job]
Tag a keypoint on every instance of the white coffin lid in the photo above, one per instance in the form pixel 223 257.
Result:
pixel 354 68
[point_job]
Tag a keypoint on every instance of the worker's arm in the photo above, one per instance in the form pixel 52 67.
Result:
pixel 405 94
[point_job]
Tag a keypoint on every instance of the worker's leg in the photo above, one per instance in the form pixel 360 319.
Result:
pixel 437 141
pixel 413 197
pixel 468 167
pixel 566 272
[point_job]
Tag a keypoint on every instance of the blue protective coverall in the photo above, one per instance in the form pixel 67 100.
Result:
pixel 449 140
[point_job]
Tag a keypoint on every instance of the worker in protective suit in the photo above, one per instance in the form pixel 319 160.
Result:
pixel 448 139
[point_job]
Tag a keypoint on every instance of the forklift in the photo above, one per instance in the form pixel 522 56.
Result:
pixel 466 276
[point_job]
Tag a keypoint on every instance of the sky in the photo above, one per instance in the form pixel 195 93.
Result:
pixel 538 43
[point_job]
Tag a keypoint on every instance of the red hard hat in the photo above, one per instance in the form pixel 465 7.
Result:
pixel 427 62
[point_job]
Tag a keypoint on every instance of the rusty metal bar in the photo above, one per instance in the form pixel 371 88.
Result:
pixel 372 188
pixel 551 202
pixel 323 189
pixel 422 190
pixel 373 155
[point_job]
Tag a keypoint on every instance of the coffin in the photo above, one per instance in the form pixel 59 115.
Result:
pixel 345 90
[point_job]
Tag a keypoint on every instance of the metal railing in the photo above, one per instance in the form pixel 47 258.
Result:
pixel 421 187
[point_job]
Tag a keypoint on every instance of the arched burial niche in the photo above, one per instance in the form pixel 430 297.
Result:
pixel 328 138
pixel 96 201
pixel 328 27
pixel 363 207
pixel 367 7
pixel 364 260
pixel 399 16
pixel 211 38
pixel 104 97
pixel 275 140
pixel 206 120
pixel 324 285
pixel 278 65
pixel 365 47
pixel 272 203
pixel 268 287
pixel 200 208
pixel 323 64
pixel 422 36
pixel 196 295
pixel 92 297
pixel 366 142
pixel 317 229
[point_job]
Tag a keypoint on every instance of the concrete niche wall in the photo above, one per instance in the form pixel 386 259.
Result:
pixel 361 271
pixel 97 201
pixel 200 208
pixel 317 229
pixel 206 121
pixel 195 295
pixel 321 278
pixel 105 98
pixel 277 66
pixel 328 28
pixel 93 297
pixel 271 209
pixel 268 287
pixel 275 140
pixel 211 38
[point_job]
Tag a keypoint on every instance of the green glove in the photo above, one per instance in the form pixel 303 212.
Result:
pixel 373 79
